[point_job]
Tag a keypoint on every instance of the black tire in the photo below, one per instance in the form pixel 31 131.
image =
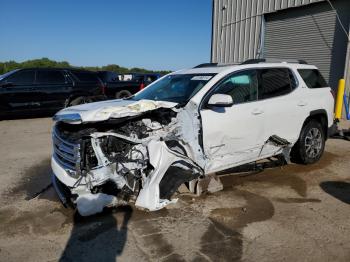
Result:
pixel 123 94
pixel 310 145
pixel 79 100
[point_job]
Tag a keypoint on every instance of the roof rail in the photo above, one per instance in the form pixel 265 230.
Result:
pixel 253 61
pixel 273 60
pixel 206 65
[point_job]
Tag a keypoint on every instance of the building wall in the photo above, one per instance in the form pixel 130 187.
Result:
pixel 306 33
pixel 237 26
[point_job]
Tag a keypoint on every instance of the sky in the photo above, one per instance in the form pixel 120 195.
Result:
pixel 153 34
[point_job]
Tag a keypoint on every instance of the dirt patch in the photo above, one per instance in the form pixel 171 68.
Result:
pixel 220 247
pixel 40 222
pixel 278 177
pixel 257 209
pixel 34 180
pixel 146 215
pixel 223 241
pixel 297 200
pixel 326 160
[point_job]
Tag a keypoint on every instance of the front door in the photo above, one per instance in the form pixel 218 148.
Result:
pixel 18 91
pixel 233 135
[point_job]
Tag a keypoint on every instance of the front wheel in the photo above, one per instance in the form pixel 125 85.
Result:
pixel 310 145
pixel 79 100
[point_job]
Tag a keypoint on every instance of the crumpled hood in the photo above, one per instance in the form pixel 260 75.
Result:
pixel 104 110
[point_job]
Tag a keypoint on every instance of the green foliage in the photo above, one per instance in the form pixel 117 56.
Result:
pixel 45 62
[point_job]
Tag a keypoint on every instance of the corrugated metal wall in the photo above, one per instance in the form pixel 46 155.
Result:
pixel 237 26
pixel 313 39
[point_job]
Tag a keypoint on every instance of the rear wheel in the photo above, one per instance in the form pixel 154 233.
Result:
pixel 123 94
pixel 310 145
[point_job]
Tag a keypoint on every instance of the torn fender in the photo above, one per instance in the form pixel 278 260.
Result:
pixel 161 158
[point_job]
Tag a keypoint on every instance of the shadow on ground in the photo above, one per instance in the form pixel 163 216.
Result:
pixel 99 237
pixel 338 189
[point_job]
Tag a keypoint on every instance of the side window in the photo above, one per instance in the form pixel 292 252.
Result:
pixel 242 87
pixel 23 77
pixel 275 82
pixel 50 77
pixel 85 76
pixel 312 78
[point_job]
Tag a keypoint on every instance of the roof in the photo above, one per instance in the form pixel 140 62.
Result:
pixel 221 68
pixel 56 68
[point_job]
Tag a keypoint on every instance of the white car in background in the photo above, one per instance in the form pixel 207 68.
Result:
pixel 185 126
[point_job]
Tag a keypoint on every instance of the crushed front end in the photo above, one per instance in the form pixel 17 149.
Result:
pixel 141 158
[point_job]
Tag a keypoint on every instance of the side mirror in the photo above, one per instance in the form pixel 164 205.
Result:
pixel 220 100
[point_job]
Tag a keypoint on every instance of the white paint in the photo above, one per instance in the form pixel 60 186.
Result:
pixel 232 135
pixel 220 100
pixel 205 78
pixel 160 157
pixel 89 204
pixel 101 111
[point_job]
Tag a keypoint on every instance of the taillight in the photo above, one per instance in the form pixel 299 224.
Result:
pixel 142 86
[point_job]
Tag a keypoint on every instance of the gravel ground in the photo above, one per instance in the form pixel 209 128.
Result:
pixel 290 213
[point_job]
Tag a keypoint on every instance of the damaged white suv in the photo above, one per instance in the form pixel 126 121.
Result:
pixel 185 126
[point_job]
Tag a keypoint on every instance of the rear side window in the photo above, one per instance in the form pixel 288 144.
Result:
pixel 22 77
pixel 275 82
pixel 312 78
pixel 151 78
pixel 138 78
pixel 50 77
pixel 85 76
pixel 242 87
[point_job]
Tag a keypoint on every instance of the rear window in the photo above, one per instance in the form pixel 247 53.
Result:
pixel 312 78
pixel 275 82
pixel 85 76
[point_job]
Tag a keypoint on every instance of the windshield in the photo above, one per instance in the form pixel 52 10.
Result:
pixel 7 74
pixel 174 88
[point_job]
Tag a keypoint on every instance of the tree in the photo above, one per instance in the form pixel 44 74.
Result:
pixel 46 62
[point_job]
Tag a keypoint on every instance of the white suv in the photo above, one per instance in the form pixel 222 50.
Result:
pixel 185 126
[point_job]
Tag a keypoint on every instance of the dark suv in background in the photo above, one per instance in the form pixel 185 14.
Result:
pixel 47 89
pixel 116 88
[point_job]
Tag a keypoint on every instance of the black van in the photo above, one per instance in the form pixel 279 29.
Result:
pixel 47 89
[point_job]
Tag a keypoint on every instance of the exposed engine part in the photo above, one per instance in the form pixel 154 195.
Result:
pixel 140 159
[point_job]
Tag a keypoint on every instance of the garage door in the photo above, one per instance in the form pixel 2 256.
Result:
pixel 303 33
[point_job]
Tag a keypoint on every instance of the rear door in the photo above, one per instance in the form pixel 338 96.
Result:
pixel 86 83
pixel 19 91
pixel 54 88
pixel 283 103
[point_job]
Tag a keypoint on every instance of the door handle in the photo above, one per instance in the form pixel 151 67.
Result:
pixel 257 111
pixel 302 103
